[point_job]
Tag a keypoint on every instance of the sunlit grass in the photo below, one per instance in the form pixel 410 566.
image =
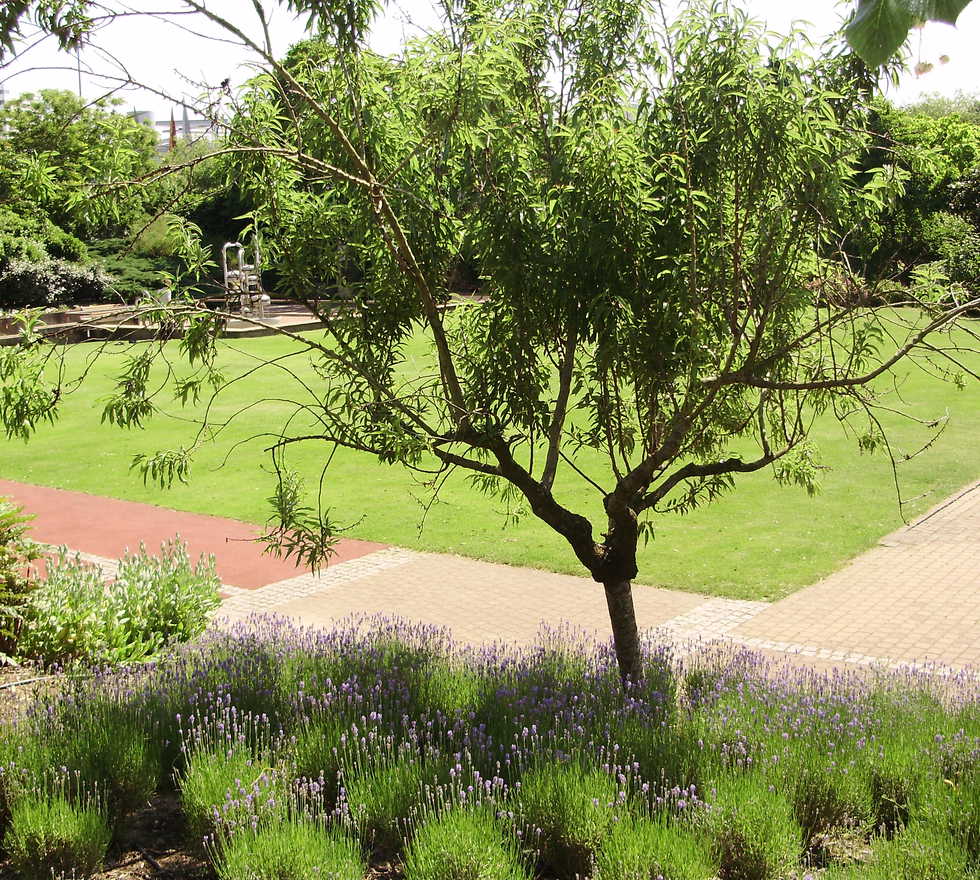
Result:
pixel 762 541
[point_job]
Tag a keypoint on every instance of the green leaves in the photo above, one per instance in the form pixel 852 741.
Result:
pixel 17 578
pixel 27 398
pixel 68 20
pixel 879 27
pixel 131 405
pixel 800 468
pixel 296 530
pixel 347 21
pixel 163 467
pixel 64 159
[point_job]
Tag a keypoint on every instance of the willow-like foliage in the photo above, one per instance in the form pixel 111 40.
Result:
pixel 650 215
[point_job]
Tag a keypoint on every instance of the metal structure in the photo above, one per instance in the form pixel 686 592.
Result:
pixel 244 279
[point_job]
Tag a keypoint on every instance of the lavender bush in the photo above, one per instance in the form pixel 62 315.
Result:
pixel 56 825
pixel 464 843
pixel 51 836
pixel 641 848
pixel 297 849
pixel 408 749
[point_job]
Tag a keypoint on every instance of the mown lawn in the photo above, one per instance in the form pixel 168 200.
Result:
pixel 760 542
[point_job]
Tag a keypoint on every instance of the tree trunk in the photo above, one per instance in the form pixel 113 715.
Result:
pixel 626 636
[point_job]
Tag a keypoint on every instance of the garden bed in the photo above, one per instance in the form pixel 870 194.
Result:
pixel 384 750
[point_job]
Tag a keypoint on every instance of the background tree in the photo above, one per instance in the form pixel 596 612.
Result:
pixel 938 157
pixel 965 105
pixel 54 149
pixel 651 280
pixel 54 144
pixel 60 157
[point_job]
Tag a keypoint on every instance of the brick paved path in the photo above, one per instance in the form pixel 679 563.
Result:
pixel 106 528
pixel 914 597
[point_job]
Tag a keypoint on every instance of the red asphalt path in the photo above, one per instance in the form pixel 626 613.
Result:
pixel 108 527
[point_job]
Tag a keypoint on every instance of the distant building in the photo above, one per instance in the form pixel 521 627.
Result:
pixel 188 128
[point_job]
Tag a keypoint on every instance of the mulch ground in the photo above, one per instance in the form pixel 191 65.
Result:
pixel 152 844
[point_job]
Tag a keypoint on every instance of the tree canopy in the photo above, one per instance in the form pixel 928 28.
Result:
pixel 657 279
pixel 53 145
pixel 962 104
pixel 876 31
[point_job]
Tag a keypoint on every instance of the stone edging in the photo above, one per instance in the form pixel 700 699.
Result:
pixel 302 586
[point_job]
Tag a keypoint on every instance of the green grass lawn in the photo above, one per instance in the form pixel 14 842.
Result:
pixel 761 542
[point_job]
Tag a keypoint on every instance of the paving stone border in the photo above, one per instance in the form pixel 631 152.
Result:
pixel 110 567
pixel 266 598
pixel 712 619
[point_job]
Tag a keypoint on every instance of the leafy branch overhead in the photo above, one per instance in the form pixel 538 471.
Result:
pixel 880 27
pixel 876 31
pixel 663 309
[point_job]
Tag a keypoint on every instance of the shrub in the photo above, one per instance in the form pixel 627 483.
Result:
pixel 894 779
pixel 16 228
pixel 49 836
pixel 116 753
pixel 382 796
pixel 918 853
pixel 448 688
pixel 420 783
pixel 35 238
pixel 15 247
pixel 293 849
pixel 935 154
pixel 315 751
pixel 952 807
pixel 17 578
pixel 165 599
pixel 65 617
pixel 106 746
pixel 26 283
pixel 957 755
pixel 571 807
pixel 828 798
pixel 642 849
pixel 957 242
pixel 965 196
pixel 209 784
pixel 754 832
pixel 668 754
pixel 463 845
pixel 151 238
pixel 63 245
pixel 129 275
pixel 153 602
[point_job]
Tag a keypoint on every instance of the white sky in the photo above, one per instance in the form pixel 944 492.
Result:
pixel 174 62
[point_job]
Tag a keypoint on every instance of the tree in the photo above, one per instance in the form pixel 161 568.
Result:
pixel 653 275
pixel 962 105
pixel 53 144
pixel 876 31
pixel 936 155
